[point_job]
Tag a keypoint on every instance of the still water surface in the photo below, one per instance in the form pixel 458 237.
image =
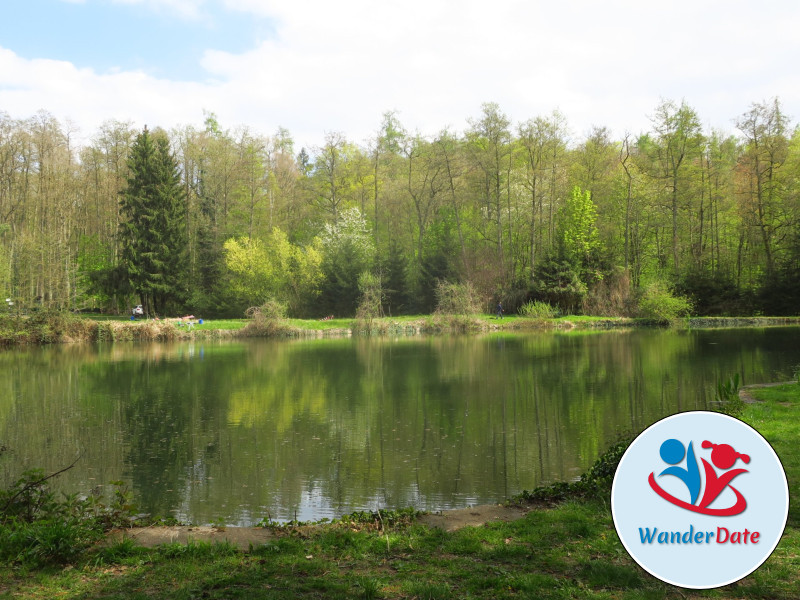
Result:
pixel 237 431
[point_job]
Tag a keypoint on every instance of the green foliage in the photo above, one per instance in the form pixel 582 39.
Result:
pixel 153 228
pixel 5 264
pixel 271 309
pixel 434 263
pixel 595 483
pixel 727 396
pixel 577 230
pixel 779 293
pixel 274 268
pixel 95 265
pixel 559 284
pixel 347 251
pixel 395 292
pixel 56 540
pixel 45 327
pixel 714 294
pixel 456 299
pixel 381 518
pixel 535 309
pixel 658 303
pixel 370 305
pixel 210 290
pixel 38 527
pixel 267 320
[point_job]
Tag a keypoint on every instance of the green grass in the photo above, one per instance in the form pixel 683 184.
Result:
pixel 434 323
pixel 221 324
pixel 570 551
pixel 317 325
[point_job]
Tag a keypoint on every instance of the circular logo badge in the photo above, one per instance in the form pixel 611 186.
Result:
pixel 700 500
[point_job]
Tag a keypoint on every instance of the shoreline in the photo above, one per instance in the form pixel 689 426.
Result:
pixel 244 538
pixel 563 546
pixel 65 328
pixel 450 520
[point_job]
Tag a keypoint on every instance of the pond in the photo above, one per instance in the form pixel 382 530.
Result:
pixel 239 431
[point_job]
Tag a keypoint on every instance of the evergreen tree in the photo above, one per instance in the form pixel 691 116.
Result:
pixel 153 230
pixel 348 251
pixel 209 287
pixel 396 300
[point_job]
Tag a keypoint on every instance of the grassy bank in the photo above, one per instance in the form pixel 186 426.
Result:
pixel 569 550
pixel 57 327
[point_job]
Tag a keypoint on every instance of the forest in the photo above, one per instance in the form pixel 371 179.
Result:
pixel 213 220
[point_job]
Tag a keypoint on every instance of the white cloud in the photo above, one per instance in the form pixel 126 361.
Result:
pixel 190 9
pixel 337 66
pixel 88 98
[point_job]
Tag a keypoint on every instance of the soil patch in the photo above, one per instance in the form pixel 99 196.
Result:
pixel 475 516
pixel 746 396
pixel 149 537
pixel 246 537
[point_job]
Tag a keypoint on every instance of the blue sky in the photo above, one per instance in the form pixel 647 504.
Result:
pixel 318 66
pixel 103 35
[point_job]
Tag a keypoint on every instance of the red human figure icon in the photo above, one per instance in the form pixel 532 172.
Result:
pixel 724 457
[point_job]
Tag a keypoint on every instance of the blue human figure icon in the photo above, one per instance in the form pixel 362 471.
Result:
pixel 672 453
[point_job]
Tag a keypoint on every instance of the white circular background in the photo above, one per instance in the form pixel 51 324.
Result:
pixel 635 505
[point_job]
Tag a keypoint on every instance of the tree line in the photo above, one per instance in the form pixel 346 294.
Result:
pixel 213 220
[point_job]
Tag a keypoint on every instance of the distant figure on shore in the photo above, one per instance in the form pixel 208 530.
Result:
pixel 499 310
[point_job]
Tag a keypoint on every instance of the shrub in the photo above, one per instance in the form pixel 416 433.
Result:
pixel 595 483
pixel 269 319
pixel 45 327
pixel 50 540
pixel 714 294
pixel 612 296
pixel 538 310
pixel 370 304
pixel 558 283
pixel 658 303
pixel 37 527
pixel 456 299
pixel 727 396
pixel 271 309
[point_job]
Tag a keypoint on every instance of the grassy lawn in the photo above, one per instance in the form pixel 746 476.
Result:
pixel 217 324
pixel 570 551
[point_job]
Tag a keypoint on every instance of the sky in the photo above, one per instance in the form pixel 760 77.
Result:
pixel 321 66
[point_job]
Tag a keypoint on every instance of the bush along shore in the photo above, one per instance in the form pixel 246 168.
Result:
pixel 564 546
pixel 47 327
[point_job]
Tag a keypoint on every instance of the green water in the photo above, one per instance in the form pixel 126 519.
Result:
pixel 237 431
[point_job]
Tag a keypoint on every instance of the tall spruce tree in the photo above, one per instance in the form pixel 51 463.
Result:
pixel 153 229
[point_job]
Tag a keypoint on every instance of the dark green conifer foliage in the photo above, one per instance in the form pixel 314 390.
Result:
pixel 153 230
pixel 396 300
pixel 209 295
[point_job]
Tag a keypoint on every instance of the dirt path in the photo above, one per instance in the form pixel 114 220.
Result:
pixel 746 396
pixel 245 537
